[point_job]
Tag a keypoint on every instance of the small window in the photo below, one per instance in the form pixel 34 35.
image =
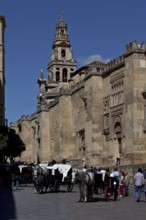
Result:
pixel 62 31
pixel 64 75
pixel 63 53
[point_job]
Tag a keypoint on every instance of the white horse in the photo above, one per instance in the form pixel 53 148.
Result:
pixel 41 178
pixel 86 183
pixel 73 179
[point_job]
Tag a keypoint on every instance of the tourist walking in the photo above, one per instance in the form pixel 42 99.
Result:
pixel 121 186
pixel 138 182
pixel 15 178
pixel 126 184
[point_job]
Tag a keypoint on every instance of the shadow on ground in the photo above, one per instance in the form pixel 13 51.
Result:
pixel 7 204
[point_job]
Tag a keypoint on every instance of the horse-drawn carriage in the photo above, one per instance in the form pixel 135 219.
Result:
pixel 53 177
pixel 98 183
pixel 60 175
pixel 102 185
pixel 106 185
pixel 25 174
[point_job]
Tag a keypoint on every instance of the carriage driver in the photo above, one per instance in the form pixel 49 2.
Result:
pixel 85 168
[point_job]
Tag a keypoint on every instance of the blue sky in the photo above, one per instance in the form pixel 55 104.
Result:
pixel 96 28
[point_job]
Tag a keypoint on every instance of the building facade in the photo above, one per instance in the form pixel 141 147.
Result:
pixel 2 71
pixel 94 115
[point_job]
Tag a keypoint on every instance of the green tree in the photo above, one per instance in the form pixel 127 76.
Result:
pixel 11 144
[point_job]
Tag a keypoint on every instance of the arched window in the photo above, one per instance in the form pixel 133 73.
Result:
pixel 62 31
pixel 57 76
pixel 64 75
pixel 63 53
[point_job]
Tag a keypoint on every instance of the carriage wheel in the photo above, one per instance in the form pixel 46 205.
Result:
pixel 52 187
pixel 70 187
pixel 57 186
pixel 99 190
pixel 51 184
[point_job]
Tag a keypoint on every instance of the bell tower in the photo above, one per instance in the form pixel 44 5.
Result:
pixel 2 71
pixel 62 63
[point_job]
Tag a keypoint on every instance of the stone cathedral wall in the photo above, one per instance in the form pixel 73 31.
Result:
pixel 98 117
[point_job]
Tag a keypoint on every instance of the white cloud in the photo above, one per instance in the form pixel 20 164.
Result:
pixel 84 61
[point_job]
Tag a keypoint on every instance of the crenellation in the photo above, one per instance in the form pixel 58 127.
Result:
pixel 143 46
pixel 12 124
pixel 25 117
pixel 134 46
pixel 114 63
pixel 33 116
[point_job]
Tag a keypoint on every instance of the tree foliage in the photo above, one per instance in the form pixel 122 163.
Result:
pixel 11 144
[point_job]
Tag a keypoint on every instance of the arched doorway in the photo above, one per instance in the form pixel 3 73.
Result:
pixel 117 142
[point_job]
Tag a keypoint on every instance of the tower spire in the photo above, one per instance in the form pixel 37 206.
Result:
pixel 42 82
pixel 62 63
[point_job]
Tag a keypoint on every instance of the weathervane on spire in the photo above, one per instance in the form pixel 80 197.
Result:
pixel 61 15
pixel 41 69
